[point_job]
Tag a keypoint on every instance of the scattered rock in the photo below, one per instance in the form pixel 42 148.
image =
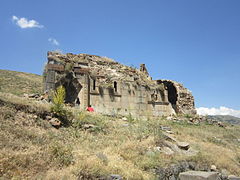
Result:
pixel 232 177
pixel 223 177
pixel 165 128
pixel 199 175
pixel 213 168
pixel 157 148
pixel 44 101
pixel 220 124
pixel 169 132
pixel 172 146
pixel 224 172
pixel 168 137
pixel 125 125
pixel 33 95
pixel 55 122
pixel 175 169
pixel 88 126
pixel 183 145
pixel 48 118
pixel 124 119
pixel 167 150
pixel 115 177
pixel 40 98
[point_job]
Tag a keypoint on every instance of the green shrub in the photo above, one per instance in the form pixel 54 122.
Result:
pixel 58 106
pixel 98 123
pixel 130 119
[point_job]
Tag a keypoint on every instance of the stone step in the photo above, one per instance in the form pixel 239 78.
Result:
pixel 198 175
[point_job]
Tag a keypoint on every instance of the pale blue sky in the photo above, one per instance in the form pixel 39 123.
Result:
pixel 195 42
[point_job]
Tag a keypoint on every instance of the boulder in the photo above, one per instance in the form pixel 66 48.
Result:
pixel 220 124
pixel 169 137
pixel 55 122
pixel 198 175
pixel 167 150
pixel 232 177
pixel 213 168
pixel 165 128
pixel 115 177
pixel 183 145
pixel 169 132
pixel 88 126
pixel 36 95
pixel 124 119
pixel 125 125
pixel 48 118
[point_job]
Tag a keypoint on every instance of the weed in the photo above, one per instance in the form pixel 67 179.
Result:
pixel 58 106
pixel 130 119
pixel 62 154
pixel 188 116
pixel 83 120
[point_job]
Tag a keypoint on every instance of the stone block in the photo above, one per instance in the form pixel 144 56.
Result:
pixel 232 177
pixel 198 175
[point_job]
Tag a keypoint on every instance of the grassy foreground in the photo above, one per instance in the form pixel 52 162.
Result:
pixel 95 146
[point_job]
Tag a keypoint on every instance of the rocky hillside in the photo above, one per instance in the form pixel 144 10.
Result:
pixel 93 146
pixel 226 119
pixel 19 83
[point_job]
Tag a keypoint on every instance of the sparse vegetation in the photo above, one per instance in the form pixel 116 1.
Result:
pixel 18 83
pixel 95 146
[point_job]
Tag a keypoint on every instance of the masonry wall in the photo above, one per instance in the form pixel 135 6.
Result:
pixel 133 100
pixel 112 88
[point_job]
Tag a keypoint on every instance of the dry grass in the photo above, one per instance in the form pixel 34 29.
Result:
pixel 31 149
pixel 19 83
pixel 217 145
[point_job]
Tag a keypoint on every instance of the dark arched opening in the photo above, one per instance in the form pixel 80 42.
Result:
pixel 72 88
pixel 172 94
pixel 115 86
pixel 94 84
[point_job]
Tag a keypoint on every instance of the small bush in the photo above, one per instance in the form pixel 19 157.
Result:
pixel 58 106
pixel 130 119
pixel 82 119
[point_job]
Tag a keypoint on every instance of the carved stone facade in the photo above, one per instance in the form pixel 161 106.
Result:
pixel 112 88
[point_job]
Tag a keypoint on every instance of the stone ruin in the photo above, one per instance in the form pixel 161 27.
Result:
pixel 114 89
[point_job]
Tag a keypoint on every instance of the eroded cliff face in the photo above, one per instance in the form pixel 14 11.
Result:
pixel 115 88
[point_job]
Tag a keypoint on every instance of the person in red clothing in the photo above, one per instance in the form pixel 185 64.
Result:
pixel 90 109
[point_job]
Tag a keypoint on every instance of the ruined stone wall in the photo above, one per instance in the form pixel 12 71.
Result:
pixel 184 98
pixel 133 100
pixel 112 88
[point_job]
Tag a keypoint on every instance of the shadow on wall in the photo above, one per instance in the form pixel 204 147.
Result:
pixel 72 87
pixel 172 95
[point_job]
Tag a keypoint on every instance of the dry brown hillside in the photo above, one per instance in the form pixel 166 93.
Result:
pixel 19 83
pixel 94 146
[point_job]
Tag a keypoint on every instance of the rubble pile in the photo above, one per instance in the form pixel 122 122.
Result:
pixel 104 68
